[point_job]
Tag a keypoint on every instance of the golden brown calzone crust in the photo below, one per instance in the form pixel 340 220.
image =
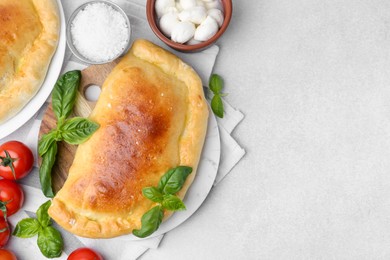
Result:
pixel 153 117
pixel 29 31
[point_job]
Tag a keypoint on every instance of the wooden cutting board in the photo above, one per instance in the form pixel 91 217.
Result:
pixel 93 75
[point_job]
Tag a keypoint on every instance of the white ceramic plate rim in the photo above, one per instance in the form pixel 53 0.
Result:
pixel 201 186
pixel 29 110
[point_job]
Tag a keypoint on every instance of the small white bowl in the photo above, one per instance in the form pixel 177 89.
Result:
pixel 69 39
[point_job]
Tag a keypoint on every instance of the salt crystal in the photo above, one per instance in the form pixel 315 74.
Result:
pixel 99 32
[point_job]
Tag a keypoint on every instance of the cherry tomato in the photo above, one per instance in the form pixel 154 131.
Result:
pixel 85 253
pixel 7 255
pixel 16 160
pixel 5 231
pixel 11 197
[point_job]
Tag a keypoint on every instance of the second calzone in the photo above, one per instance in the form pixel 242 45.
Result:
pixel 153 117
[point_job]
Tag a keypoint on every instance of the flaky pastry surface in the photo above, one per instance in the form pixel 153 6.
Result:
pixel 153 117
pixel 29 31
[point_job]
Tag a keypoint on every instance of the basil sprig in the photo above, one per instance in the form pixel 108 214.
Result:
pixel 73 131
pixel 49 239
pixel 164 194
pixel 77 130
pixel 150 221
pixel 172 181
pixel 48 160
pixel 64 94
pixel 216 85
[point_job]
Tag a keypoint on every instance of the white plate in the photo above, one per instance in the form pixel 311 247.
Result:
pixel 200 188
pixel 43 93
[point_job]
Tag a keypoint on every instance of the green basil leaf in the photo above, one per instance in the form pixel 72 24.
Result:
pixel 172 181
pixel 153 194
pixel 46 141
pixel 50 242
pixel 42 215
pixel 77 130
pixel 150 221
pixel 217 106
pixel 216 83
pixel 173 203
pixel 26 228
pixel 48 161
pixel 64 94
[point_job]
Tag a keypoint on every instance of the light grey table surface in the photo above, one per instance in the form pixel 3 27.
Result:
pixel 312 77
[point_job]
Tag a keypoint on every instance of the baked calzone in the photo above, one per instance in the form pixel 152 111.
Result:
pixel 153 117
pixel 29 31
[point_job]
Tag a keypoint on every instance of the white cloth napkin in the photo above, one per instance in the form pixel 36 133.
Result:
pixel 231 152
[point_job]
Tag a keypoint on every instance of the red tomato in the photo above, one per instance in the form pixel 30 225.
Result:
pixel 84 253
pixel 16 160
pixel 5 232
pixel 7 255
pixel 11 197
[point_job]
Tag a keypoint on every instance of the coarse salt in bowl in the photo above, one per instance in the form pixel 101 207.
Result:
pixel 98 32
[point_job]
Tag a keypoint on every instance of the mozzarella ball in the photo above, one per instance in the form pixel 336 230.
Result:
pixel 171 10
pixel 217 15
pixel 178 6
pixel 215 4
pixel 200 3
pixel 162 5
pixel 207 29
pixel 195 15
pixel 183 32
pixel 187 4
pixel 184 16
pixel 168 22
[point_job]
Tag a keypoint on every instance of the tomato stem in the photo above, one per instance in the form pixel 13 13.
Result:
pixel 8 161
pixel 3 207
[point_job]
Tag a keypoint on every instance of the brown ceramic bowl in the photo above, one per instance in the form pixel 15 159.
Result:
pixel 153 22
